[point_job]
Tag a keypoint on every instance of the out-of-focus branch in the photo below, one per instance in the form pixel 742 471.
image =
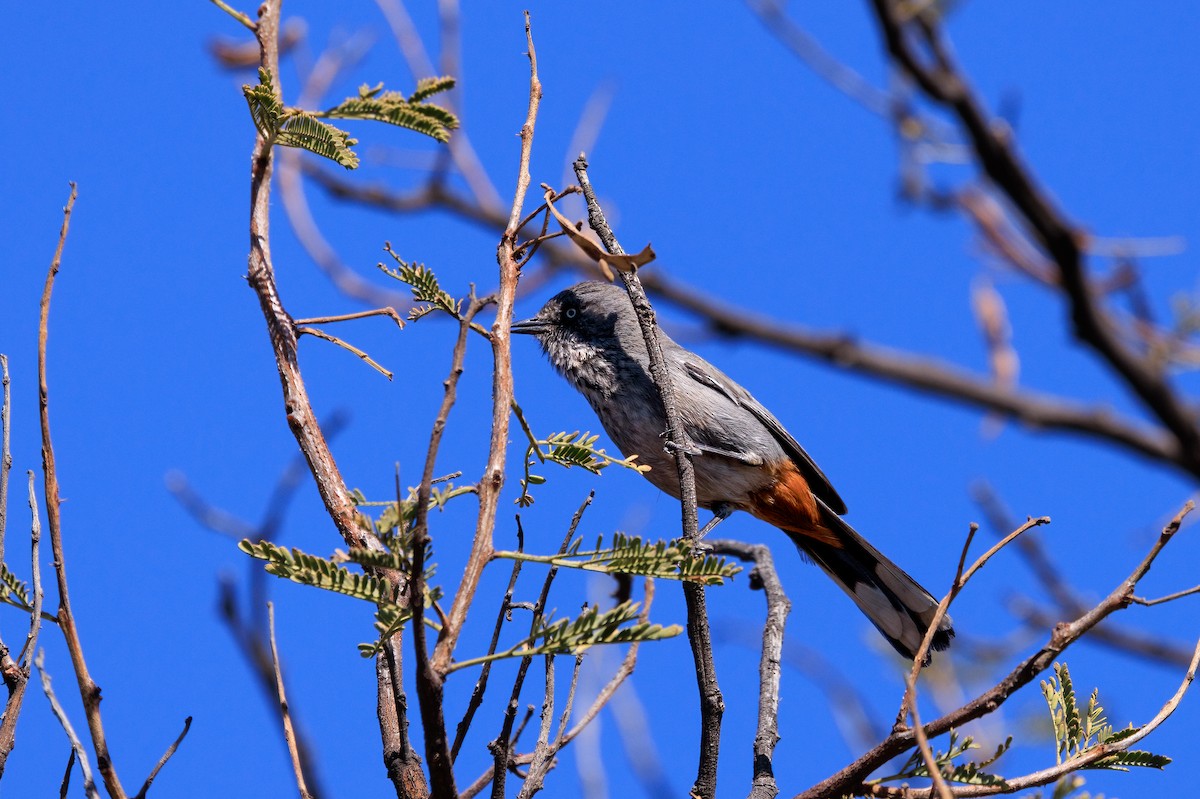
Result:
pixel 851 778
pixel 295 203
pixel 916 44
pixel 1038 411
pixel 712 706
pixel 1068 603
pixel 842 350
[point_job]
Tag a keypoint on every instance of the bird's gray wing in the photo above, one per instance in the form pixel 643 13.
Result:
pixel 708 375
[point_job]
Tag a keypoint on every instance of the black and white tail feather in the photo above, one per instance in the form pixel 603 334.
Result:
pixel 894 602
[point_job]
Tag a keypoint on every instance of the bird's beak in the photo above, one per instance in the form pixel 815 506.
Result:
pixel 532 326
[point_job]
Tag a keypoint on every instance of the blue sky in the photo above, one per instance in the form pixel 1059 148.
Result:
pixel 753 179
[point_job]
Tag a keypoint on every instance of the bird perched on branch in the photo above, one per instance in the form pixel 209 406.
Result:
pixel 744 459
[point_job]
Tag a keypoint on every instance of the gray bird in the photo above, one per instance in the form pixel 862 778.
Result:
pixel 745 459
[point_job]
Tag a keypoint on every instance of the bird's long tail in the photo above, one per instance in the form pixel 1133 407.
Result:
pixel 894 602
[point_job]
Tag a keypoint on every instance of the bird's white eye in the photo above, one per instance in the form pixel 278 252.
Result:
pixel 570 313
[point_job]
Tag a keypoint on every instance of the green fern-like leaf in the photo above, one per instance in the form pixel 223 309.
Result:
pixel 301 567
pixel 1130 758
pixel 1077 735
pixel 567 450
pixel 969 773
pixel 425 287
pixel 396 109
pixel 670 560
pixel 309 133
pixel 390 618
pixel 13 589
pixel 399 514
pixel 593 627
pixel 427 87
pixel 265 108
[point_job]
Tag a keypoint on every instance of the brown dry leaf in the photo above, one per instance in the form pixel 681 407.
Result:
pixel 622 263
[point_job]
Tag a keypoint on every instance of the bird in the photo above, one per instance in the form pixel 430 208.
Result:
pixel 744 459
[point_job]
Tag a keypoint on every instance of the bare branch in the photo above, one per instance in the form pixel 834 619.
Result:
pixel 1060 770
pixel 162 761
pixel 1064 634
pixel 5 448
pixel 502 387
pixel 430 682
pixel 89 783
pixel 289 732
pixel 941 81
pixel 481 684
pixel 16 675
pixel 88 690
pixel 712 706
pixel 764 576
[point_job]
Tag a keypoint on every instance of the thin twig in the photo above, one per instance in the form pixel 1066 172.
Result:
pixel 477 693
pixel 16 674
pixel 1069 604
pixel 502 388
pixel 15 678
pixel 238 15
pixel 66 780
pixel 543 752
pixel 1060 770
pixel 324 320
pixel 766 737
pixel 88 690
pixel 89 783
pixel 935 773
pixel 502 747
pixel 712 706
pixel 162 761
pixel 6 460
pixel 1064 634
pixel 289 732
pixel 431 683
pixel 312 331
pixel 960 580
pixel 1137 600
